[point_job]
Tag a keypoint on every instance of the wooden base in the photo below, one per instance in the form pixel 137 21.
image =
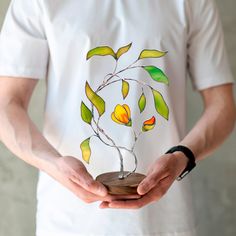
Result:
pixel 115 185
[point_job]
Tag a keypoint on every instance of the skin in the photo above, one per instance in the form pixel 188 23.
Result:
pixel 21 136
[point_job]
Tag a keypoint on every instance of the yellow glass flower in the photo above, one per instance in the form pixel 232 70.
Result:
pixel 149 124
pixel 121 115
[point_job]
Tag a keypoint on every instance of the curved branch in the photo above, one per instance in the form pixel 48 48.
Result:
pixel 99 129
pixel 127 79
pixel 109 138
pixel 114 74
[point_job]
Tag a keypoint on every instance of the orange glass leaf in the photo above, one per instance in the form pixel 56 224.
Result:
pixel 149 124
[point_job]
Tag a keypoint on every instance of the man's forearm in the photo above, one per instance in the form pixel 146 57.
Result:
pixel 21 137
pixel 216 123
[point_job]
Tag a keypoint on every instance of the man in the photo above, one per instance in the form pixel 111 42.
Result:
pixel 50 39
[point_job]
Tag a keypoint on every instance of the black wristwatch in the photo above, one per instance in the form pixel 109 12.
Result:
pixel 189 154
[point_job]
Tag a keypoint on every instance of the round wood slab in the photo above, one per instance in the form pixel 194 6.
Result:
pixel 115 185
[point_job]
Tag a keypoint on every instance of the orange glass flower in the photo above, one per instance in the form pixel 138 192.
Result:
pixel 149 124
pixel 121 115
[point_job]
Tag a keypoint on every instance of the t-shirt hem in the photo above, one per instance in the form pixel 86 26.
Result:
pixel 211 81
pixel 23 72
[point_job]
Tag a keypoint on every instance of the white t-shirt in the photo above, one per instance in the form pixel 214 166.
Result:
pixel 50 40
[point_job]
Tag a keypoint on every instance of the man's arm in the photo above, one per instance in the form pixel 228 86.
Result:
pixel 21 137
pixel 17 131
pixel 215 124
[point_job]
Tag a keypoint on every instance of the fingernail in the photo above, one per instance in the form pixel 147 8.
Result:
pixel 102 206
pixel 142 189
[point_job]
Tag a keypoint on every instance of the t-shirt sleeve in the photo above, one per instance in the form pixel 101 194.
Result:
pixel 207 58
pixel 23 46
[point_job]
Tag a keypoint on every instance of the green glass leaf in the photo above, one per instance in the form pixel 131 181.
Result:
pixel 156 74
pixel 95 99
pixel 160 104
pixel 86 150
pixel 86 114
pixel 101 51
pixel 125 88
pixel 142 102
pixel 146 53
pixel 123 50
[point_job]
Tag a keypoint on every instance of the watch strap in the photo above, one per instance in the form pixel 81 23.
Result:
pixel 189 154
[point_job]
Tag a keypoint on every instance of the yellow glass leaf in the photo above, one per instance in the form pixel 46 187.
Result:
pixel 86 151
pixel 101 51
pixel 125 88
pixel 123 50
pixel 142 102
pixel 95 99
pixel 146 53
pixel 147 127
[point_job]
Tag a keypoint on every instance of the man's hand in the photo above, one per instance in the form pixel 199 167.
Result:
pixel 22 137
pixel 72 173
pixel 160 176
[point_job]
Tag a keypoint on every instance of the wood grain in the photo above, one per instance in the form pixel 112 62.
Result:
pixel 115 185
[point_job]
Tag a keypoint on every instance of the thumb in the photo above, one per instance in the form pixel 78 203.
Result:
pixel 149 182
pixel 86 181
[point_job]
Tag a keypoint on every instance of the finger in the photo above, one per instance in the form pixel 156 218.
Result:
pixel 151 181
pixel 80 192
pixel 113 197
pixel 128 204
pixel 90 197
pixel 104 205
pixel 75 188
pixel 85 180
pixel 135 204
pixel 87 196
pixel 153 195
